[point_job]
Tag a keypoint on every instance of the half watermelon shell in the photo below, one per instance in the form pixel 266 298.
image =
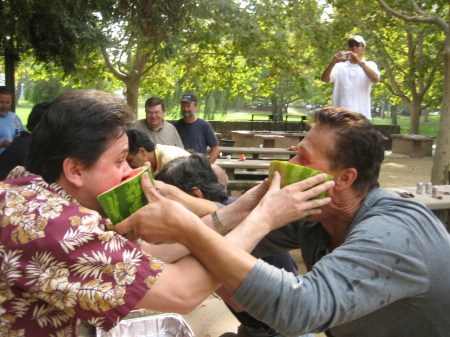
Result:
pixel 122 200
pixel 292 173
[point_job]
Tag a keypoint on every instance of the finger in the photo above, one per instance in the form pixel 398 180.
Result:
pixel 124 227
pixel 276 181
pixel 316 190
pixel 310 182
pixel 149 191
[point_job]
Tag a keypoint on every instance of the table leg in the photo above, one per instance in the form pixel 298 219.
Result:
pixel 230 173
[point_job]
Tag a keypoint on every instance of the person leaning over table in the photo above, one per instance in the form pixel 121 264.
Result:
pixel 378 264
pixel 60 263
pixel 142 150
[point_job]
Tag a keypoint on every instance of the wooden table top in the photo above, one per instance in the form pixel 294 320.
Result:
pixel 245 164
pixel 256 150
pixel 424 198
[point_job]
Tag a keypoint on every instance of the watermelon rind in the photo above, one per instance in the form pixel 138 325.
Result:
pixel 122 200
pixel 292 173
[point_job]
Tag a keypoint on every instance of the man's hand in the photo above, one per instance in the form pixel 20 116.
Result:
pixel 160 221
pixel 281 206
pixel 5 143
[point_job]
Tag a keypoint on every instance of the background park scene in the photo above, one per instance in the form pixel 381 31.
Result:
pixel 256 57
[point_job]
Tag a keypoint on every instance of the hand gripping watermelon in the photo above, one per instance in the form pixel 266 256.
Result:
pixel 292 173
pixel 122 200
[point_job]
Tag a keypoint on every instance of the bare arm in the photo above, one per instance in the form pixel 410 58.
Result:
pixel 5 143
pixel 215 151
pixel 200 207
pixel 327 72
pixel 230 216
pixel 229 264
pixel 180 288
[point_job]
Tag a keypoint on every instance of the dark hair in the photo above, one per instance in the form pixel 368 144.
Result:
pixel 193 171
pixel 137 139
pixel 36 114
pixel 5 91
pixel 358 145
pixel 80 125
pixel 154 101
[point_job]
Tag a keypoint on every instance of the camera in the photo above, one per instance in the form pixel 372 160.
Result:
pixel 345 56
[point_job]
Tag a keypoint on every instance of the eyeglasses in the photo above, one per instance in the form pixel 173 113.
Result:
pixel 357 45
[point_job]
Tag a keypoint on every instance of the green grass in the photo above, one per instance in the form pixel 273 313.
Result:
pixel 429 128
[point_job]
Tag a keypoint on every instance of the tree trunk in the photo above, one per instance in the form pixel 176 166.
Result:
pixel 414 111
pixel 10 68
pixel 394 115
pixel 441 158
pixel 133 94
pixel 277 108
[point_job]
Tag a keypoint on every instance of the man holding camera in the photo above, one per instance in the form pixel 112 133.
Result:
pixel 353 77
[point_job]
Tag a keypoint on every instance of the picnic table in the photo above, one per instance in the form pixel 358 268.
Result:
pixel 440 207
pixel 267 138
pixel 255 152
pixel 230 166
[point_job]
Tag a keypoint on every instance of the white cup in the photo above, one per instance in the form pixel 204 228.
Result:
pixel 228 156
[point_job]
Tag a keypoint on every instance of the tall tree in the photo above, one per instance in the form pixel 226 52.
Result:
pixel 57 31
pixel 436 14
pixel 146 33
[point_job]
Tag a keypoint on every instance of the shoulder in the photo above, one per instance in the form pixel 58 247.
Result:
pixel 168 126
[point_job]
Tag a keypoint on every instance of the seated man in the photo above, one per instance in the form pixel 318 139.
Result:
pixel 59 263
pixel 142 150
pixel 377 262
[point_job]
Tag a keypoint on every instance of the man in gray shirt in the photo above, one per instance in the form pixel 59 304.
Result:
pixel 158 130
pixel 378 264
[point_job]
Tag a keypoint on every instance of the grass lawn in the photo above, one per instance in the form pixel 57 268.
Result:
pixel 429 128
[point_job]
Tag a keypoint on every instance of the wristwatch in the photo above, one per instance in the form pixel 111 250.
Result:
pixel 362 64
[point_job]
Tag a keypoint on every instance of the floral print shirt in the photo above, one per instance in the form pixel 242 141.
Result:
pixel 59 263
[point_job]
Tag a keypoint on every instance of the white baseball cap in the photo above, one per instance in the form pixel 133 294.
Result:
pixel 357 38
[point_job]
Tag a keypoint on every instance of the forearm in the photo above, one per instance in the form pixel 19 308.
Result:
pixel 229 264
pixel 167 253
pixel 371 74
pixel 327 72
pixel 198 206
pixel 180 288
pixel 214 154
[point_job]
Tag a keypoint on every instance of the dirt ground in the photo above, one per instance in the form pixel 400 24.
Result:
pixel 213 319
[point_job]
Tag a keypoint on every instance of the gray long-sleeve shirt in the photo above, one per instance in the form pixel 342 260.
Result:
pixel 390 276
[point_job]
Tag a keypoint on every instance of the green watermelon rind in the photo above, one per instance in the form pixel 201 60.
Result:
pixel 122 200
pixel 292 173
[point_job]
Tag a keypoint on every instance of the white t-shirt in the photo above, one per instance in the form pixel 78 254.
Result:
pixel 166 153
pixel 352 87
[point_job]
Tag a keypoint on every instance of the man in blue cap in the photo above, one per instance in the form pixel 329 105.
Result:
pixel 196 133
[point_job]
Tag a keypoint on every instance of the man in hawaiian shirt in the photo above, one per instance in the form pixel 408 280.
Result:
pixel 58 261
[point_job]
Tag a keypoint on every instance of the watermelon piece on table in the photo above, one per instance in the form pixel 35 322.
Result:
pixel 122 200
pixel 292 173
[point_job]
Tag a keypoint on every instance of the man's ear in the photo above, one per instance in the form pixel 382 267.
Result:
pixel 72 171
pixel 344 178
pixel 196 192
